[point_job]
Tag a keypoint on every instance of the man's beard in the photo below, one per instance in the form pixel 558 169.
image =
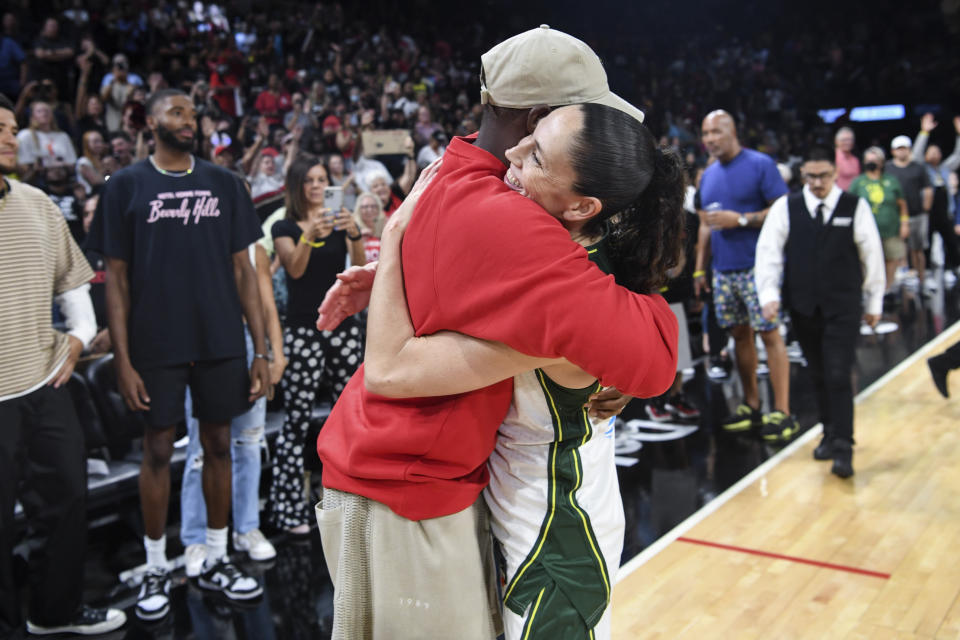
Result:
pixel 170 139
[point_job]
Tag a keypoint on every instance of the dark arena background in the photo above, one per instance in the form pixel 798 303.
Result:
pixel 730 532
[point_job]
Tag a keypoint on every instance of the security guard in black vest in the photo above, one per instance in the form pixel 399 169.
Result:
pixel 825 246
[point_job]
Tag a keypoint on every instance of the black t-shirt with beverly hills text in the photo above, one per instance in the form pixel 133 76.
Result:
pixel 178 236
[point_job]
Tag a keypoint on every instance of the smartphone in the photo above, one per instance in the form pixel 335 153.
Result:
pixel 389 142
pixel 333 200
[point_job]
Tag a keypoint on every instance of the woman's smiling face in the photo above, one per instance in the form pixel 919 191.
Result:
pixel 540 166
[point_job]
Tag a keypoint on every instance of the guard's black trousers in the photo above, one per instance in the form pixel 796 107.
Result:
pixel 43 462
pixel 829 344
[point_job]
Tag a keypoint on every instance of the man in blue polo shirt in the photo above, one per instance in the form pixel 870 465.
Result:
pixel 736 192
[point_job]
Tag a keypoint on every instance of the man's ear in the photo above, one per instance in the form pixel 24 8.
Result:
pixel 151 122
pixel 534 116
pixel 582 209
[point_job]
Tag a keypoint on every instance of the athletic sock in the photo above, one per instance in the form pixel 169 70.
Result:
pixel 216 545
pixel 156 551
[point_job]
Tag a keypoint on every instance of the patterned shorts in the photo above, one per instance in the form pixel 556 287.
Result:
pixel 736 303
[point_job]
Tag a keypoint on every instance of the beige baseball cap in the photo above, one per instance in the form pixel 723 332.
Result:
pixel 546 66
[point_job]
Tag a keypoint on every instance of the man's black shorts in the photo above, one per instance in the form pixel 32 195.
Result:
pixel 219 389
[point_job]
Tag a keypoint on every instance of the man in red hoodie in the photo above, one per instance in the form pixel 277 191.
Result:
pixel 407 548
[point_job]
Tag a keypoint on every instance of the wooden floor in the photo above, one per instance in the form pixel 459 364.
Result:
pixel 804 554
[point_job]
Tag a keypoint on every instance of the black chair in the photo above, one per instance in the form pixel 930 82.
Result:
pixel 120 425
pixel 88 416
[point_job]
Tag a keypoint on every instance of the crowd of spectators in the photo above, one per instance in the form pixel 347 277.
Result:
pixel 272 81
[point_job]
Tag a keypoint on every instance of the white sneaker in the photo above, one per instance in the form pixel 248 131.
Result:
pixel 255 544
pixel 194 555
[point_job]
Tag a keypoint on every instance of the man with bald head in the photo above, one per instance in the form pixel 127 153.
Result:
pixel 736 192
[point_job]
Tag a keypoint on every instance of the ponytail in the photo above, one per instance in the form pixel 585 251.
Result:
pixel 615 159
pixel 646 238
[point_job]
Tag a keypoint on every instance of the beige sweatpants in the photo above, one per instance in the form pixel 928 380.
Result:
pixel 400 579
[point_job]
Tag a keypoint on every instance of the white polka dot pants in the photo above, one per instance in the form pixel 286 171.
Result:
pixel 315 358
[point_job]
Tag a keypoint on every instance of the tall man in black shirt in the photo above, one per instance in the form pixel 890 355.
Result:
pixel 175 231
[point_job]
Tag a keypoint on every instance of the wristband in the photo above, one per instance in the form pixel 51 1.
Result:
pixel 315 245
pixel 904 219
pixel 354 238
pixel 699 273
pixel 264 356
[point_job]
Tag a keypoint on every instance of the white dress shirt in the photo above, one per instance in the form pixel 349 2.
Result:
pixel 768 271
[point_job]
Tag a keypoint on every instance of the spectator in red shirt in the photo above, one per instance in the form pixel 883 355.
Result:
pixel 370 219
pixel 380 187
pixel 273 102
pixel 848 165
pixel 224 82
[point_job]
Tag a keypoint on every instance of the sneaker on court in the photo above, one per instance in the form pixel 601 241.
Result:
pixel 794 352
pixel 743 419
pixel 656 410
pixel 949 278
pixel 681 407
pixel 718 369
pixel 87 622
pixel 153 602
pixel 226 577
pixel 779 427
pixel 194 555
pixel 255 544
pixel 824 450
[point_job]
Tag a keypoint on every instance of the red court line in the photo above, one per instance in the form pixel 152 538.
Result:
pixel 778 556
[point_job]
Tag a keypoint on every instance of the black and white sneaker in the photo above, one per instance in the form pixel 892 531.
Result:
pixel 153 602
pixel 88 621
pixel 226 577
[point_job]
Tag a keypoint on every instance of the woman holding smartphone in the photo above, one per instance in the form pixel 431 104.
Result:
pixel 312 242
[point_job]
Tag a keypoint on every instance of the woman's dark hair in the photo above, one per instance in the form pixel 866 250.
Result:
pixel 293 198
pixel 641 188
pixel 6 104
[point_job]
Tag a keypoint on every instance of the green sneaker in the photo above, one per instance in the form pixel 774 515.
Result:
pixel 779 427
pixel 743 419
